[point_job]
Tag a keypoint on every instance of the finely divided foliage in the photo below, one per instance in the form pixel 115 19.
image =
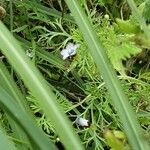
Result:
pixel 74 74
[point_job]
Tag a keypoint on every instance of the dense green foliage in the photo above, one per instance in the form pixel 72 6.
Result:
pixel 44 28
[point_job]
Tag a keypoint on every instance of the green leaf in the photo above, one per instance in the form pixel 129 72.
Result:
pixel 20 28
pixel 51 58
pixel 36 136
pixel 126 26
pixel 9 85
pixel 120 101
pixel 136 13
pixel 120 52
pixel 5 142
pixel 113 142
pixel 35 6
pixel 39 88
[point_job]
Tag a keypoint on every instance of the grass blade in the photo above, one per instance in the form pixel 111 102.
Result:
pixel 39 87
pixel 5 142
pixel 120 101
pixel 9 85
pixel 51 58
pixel 47 11
pixel 36 136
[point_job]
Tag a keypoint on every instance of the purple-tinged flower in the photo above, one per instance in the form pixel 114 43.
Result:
pixel 82 122
pixel 70 50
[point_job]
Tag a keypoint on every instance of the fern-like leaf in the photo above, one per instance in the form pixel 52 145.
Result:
pixel 118 47
pixel 41 118
pixel 122 51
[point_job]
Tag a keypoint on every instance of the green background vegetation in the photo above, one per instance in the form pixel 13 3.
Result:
pixel 106 82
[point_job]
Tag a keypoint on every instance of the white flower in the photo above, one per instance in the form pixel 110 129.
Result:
pixel 82 122
pixel 29 53
pixel 70 50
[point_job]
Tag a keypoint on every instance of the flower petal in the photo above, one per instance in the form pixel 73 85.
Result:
pixel 70 50
pixel 82 122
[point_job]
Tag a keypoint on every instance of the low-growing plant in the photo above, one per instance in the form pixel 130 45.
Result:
pixel 65 67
